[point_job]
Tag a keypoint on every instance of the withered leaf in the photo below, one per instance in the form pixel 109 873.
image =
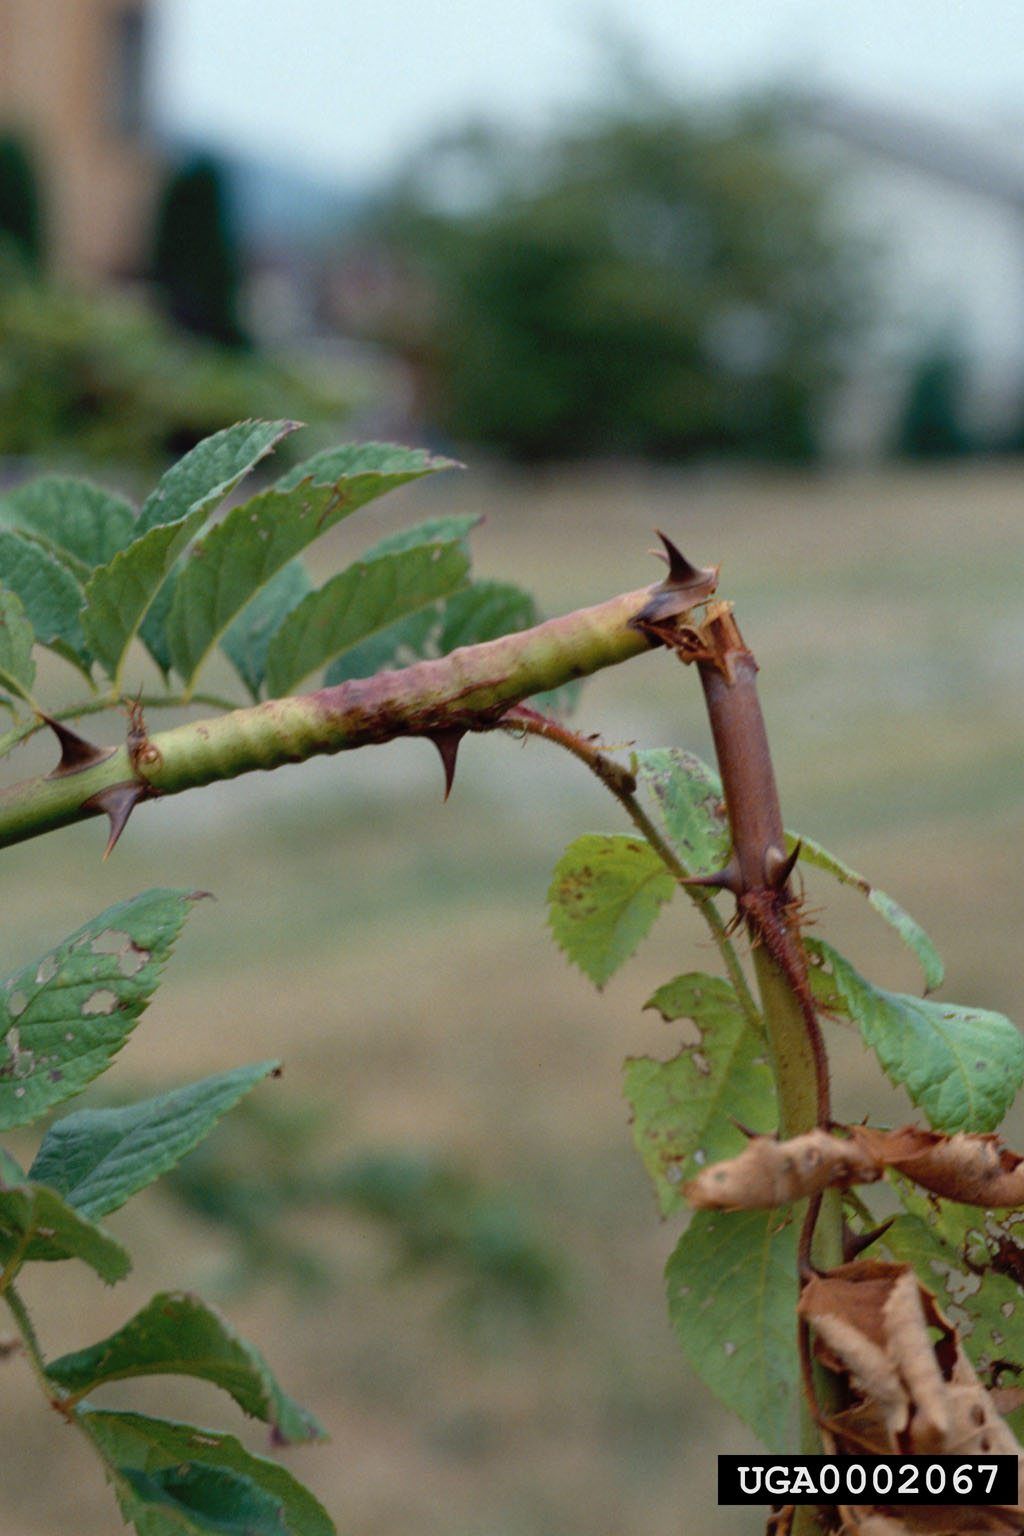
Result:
pixel 974 1170
pixel 769 1173
pixel 908 1393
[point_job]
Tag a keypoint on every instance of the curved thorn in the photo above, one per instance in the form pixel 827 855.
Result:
pixel 75 752
pixel 727 879
pixel 680 571
pixel 116 803
pixel 778 867
pixel 447 743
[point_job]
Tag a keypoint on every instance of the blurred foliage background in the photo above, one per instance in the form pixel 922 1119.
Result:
pixel 726 317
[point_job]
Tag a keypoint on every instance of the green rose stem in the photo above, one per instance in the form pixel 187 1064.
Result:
pixel 469 690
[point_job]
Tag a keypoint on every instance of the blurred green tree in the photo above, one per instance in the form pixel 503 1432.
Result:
pixel 196 263
pixel 650 281
pixel 21 218
pixel 932 424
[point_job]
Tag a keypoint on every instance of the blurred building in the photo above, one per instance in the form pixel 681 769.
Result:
pixel 939 205
pixel 73 84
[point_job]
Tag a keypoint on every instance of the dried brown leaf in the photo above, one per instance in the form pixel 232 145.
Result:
pixel 975 1170
pixel 769 1173
pixel 909 1391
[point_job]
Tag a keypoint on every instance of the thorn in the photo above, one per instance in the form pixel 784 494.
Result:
pixel 778 867
pixel 75 752
pixel 854 1243
pixel 727 879
pixel 680 572
pixel 447 742
pixel 117 804
pixel 746 1130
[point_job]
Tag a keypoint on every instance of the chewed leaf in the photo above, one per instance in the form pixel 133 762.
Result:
pixel 732 1293
pixel 911 932
pixel 156 1464
pixel 962 1066
pixel 685 1110
pixel 84 524
pixel 974 1262
pixel 37 1222
pixel 689 796
pixel 17 669
pixel 64 1018
pixel 99 1158
pixel 177 1334
pixel 241 555
pixel 359 603
pixel 604 897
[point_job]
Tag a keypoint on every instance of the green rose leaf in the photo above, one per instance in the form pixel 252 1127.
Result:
pixel 606 892
pixel 179 1460
pixel 99 1158
pixel 685 1110
pixel 177 1334
pixel 689 796
pixel 37 1223
pixel 82 523
pixel 241 555
pixel 911 932
pixel 17 669
pixel 732 1294
pixel 962 1066
pixel 64 1017
pixel 358 604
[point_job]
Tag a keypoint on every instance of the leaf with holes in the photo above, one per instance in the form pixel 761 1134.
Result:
pixel 689 796
pixel 48 591
pixel 357 605
pixel 82 523
pixel 962 1066
pixel 135 1446
pixel 247 640
pixel 177 1334
pixel 685 1110
pixel 974 1264
pixel 911 932
pixel 17 669
pixel 241 555
pixel 37 1223
pixel 606 892
pixel 121 593
pixel 99 1158
pixel 732 1292
pixel 65 1017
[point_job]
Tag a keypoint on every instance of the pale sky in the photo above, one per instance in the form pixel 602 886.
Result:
pixel 344 90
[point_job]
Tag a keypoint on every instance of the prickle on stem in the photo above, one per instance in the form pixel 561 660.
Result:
pixel 447 743
pixel 116 803
pixel 76 753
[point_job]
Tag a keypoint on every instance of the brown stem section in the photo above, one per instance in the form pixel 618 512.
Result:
pixel 758 876
pixel 758 870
